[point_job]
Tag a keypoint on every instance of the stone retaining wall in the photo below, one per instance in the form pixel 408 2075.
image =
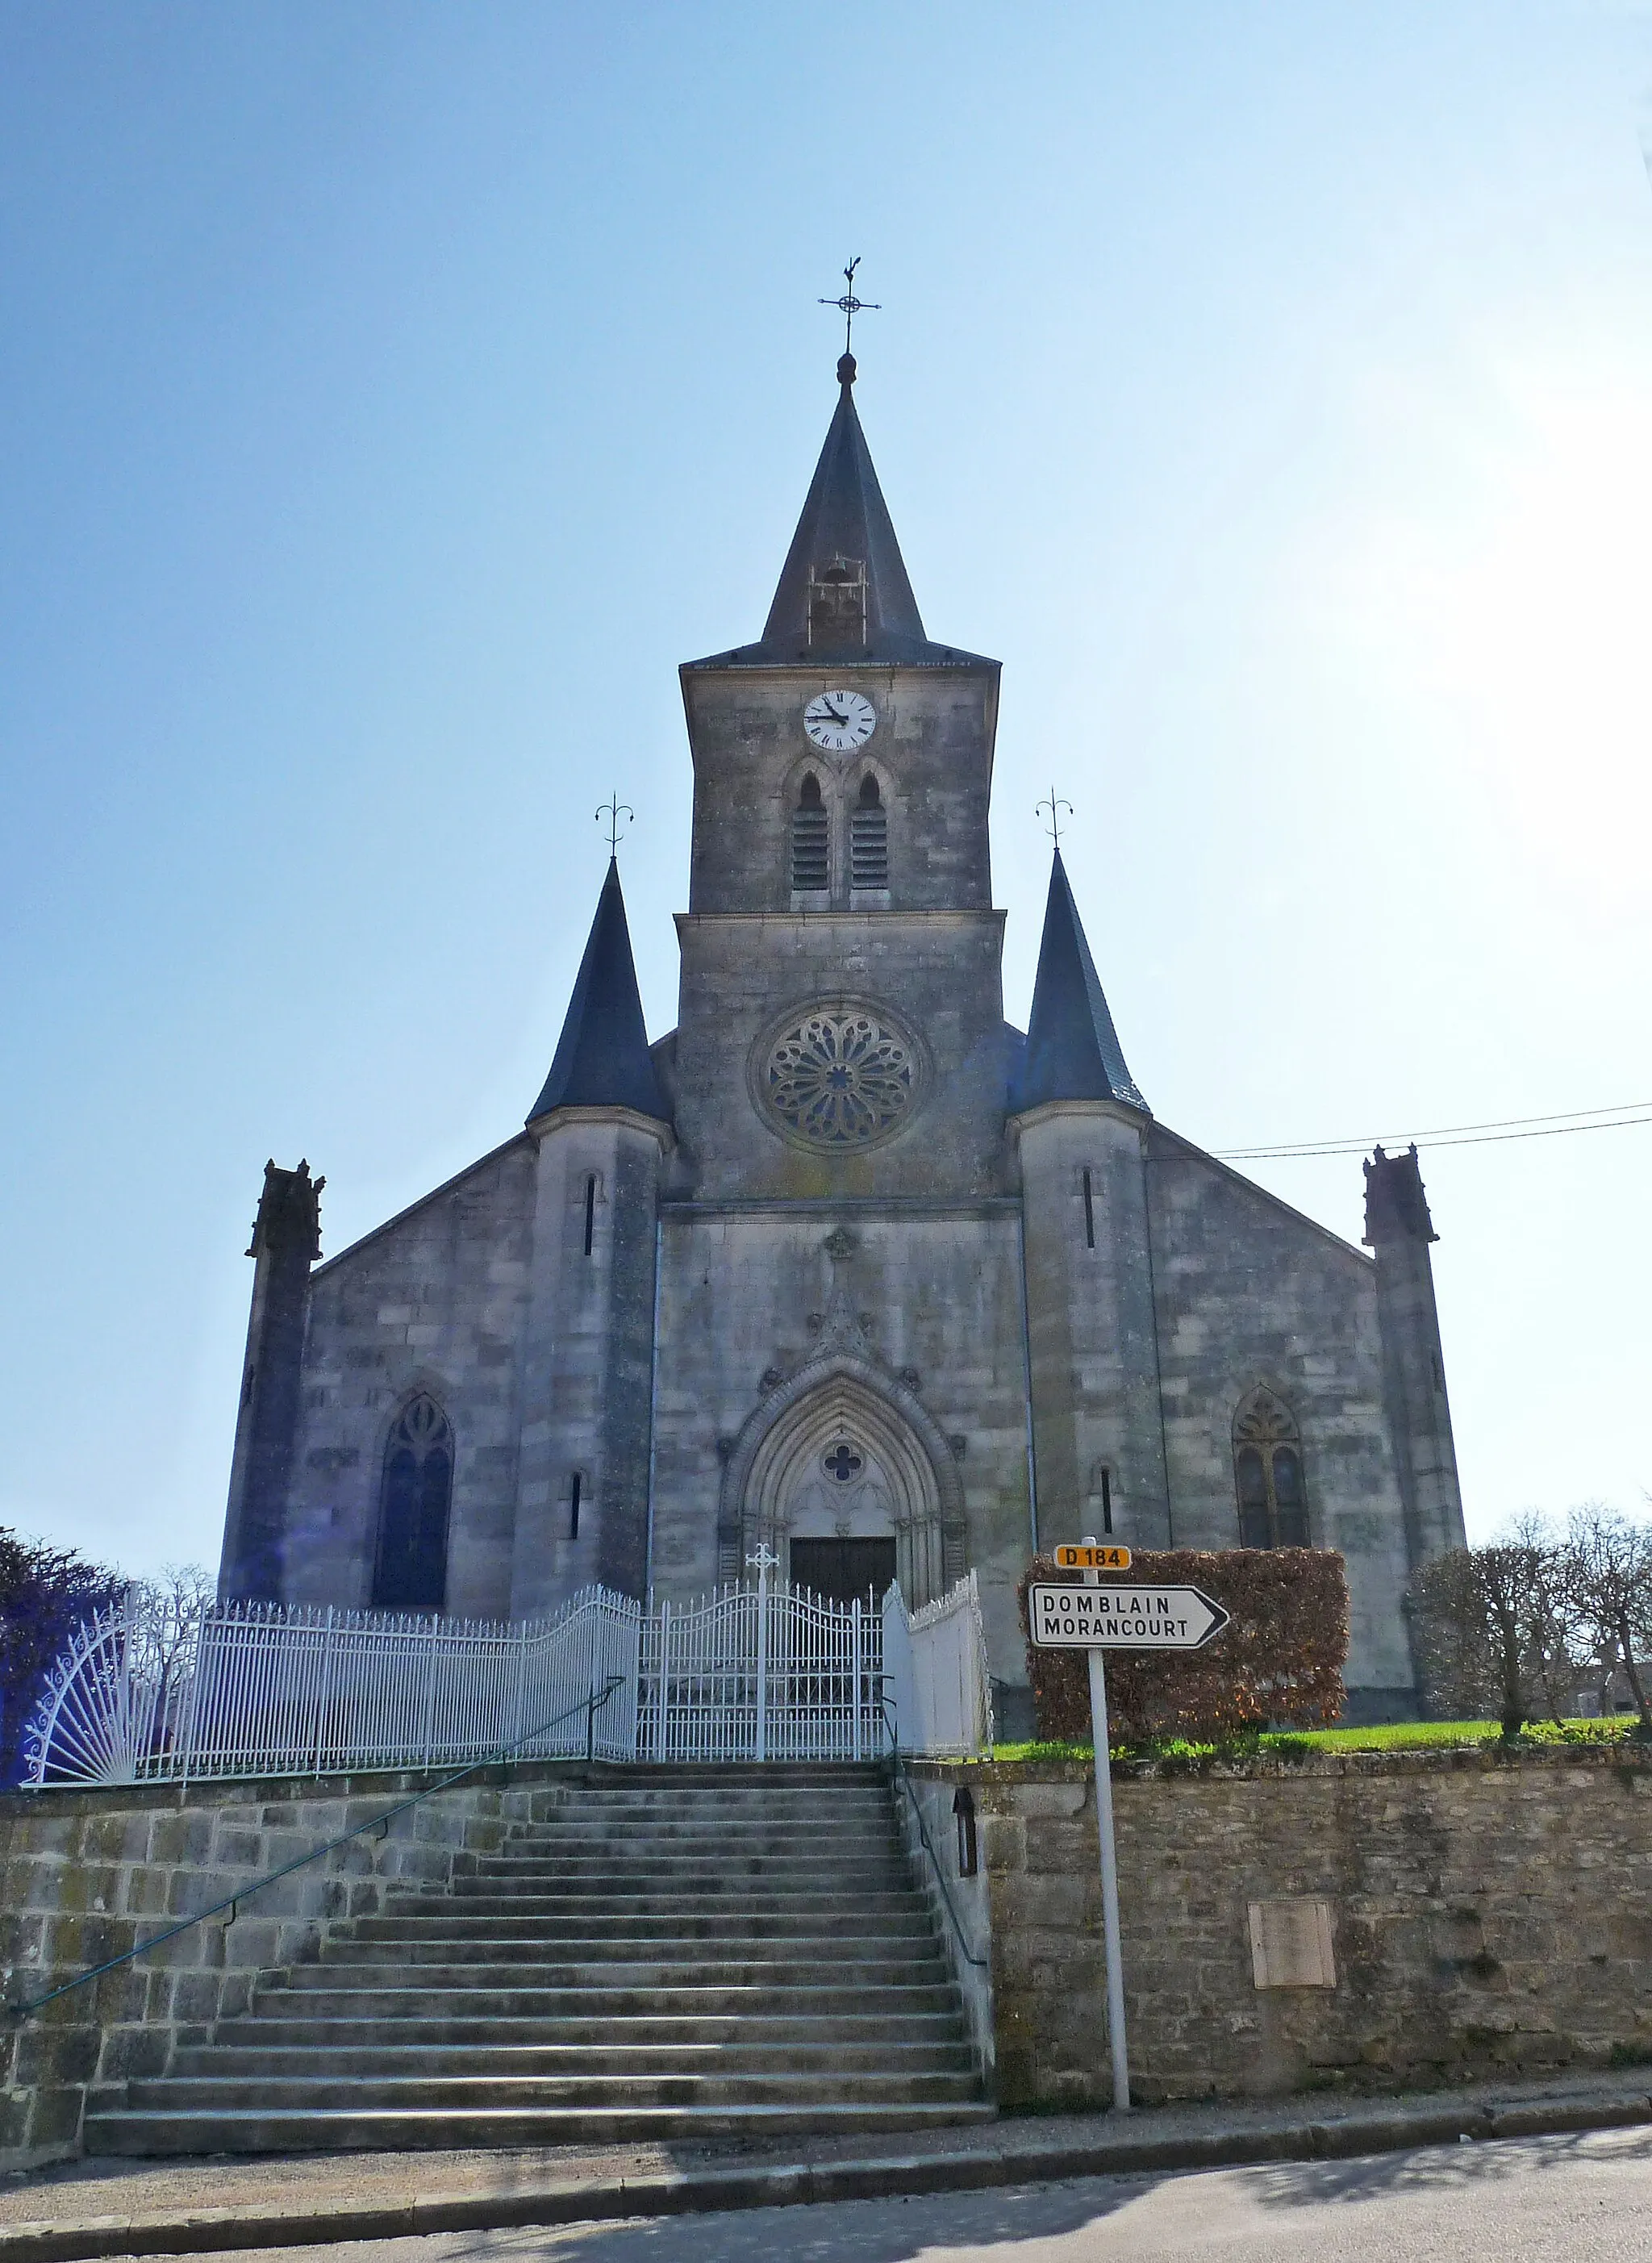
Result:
pixel 1360 1919
pixel 84 1875
pixel 1363 1920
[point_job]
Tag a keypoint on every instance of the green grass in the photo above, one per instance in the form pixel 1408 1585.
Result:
pixel 1395 1737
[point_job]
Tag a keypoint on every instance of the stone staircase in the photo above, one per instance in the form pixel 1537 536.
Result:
pixel 689 1952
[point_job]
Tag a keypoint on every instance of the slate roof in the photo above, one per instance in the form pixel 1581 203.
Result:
pixel 601 1058
pixel 1072 1049
pixel 845 517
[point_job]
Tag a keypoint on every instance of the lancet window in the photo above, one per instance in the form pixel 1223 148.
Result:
pixel 868 838
pixel 810 839
pixel 415 1500
pixel 1267 1474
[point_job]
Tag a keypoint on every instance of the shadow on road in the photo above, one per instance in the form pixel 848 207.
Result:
pixel 1437 2169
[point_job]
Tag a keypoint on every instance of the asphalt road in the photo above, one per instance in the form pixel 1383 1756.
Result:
pixel 1534 2199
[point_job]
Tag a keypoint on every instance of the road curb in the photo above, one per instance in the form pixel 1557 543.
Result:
pixel 217 2230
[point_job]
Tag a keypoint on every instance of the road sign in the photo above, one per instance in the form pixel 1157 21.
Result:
pixel 1088 1558
pixel 1120 1617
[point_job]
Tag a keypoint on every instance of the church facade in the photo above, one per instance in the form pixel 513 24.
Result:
pixel 845 1264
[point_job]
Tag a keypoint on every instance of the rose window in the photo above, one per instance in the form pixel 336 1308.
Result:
pixel 840 1079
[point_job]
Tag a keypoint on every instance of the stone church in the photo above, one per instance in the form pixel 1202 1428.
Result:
pixel 845 1263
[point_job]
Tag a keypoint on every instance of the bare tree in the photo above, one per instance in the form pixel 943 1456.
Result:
pixel 1490 1631
pixel 169 1609
pixel 1608 1583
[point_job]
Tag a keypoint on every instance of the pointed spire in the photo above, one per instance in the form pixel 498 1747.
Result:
pixel 843 594
pixel 845 522
pixel 602 1057
pixel 1072 1049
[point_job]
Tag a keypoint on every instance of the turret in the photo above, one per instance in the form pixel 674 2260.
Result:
pixel 1078 1119
pixel 601 1124
pixel 287 1240
pixel 1399 1230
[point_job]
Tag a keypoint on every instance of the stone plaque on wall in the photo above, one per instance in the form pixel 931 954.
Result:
pixel 1290 1945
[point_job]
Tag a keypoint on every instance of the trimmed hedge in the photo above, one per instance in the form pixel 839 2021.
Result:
pixel 1280 1659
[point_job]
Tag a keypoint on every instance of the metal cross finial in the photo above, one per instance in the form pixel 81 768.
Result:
pixel 613 810
pixel 1055 806
pixel 848 306
pixel 765 1559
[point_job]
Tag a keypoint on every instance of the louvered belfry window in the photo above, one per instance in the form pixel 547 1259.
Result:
pixel 868 838
pixel 811 844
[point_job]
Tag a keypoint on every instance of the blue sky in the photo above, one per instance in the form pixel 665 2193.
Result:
pixel 391 397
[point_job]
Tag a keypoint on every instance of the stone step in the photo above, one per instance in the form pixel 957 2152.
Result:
pixel 605 1996
pixel 869 1821
pixel 519 1909
pixel 165 2133
pixel 690 1954
pixel 338 2089
pixel 797 1800
pixel 492 1936
pixel 647 1964
pixel 234 2063
pixel 278 2031
pixel 725 1777
pixel 604 1870
pixel 826 1859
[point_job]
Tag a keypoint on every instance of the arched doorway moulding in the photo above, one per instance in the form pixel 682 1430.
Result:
pixel 845 1395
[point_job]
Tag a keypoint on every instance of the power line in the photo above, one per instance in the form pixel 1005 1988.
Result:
pixel 1461 1135
pixel 1443 1131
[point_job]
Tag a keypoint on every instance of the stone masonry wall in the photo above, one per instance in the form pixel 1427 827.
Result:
pixel 1249 1292
pixel 83 1876
pixel 435 1299
pixel 1486 1916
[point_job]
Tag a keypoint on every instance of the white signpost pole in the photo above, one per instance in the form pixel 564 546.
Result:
pixel 1110 1866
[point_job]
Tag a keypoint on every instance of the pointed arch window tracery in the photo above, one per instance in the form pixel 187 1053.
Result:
pixel 1267 1474
pixel 415 1499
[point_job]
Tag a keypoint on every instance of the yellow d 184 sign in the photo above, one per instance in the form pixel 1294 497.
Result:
pixel 1094 1559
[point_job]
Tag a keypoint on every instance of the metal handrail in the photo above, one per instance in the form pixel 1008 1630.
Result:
pixel 590 1705
pixel 904 1781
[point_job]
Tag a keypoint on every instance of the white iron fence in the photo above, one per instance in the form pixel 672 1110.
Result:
pixel 935 1672
pixel 764 1673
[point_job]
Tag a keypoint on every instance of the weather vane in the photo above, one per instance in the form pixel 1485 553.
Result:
pixel 612 810
pixel 848 306
pixel 1055 806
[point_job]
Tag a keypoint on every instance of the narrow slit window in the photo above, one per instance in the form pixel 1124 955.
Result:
pixel 573 1508
pixel 590 1211
pixel 868 838
pixel 1106 1497
pixel 810 840
pixel 1089 1213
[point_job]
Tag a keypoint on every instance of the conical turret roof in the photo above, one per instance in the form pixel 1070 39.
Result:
pixel 845 525
pixel 601 1058
pixel 1072 1048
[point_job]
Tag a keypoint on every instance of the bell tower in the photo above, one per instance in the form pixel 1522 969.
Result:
pixel 840 990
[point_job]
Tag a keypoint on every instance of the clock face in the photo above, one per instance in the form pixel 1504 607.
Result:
pixel 839 721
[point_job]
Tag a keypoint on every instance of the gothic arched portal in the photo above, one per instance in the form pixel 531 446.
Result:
pixel 841 1453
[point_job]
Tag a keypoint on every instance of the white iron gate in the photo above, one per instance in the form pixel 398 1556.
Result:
pixel 763 1673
